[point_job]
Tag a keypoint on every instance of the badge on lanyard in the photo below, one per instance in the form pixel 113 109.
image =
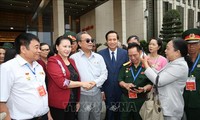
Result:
pixel 132 95
pixel 191 84
pixel 41 90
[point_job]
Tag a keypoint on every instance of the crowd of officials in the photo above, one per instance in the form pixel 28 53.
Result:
pixel 69 80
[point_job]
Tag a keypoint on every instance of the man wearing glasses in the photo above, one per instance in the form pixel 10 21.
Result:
pixel 91 67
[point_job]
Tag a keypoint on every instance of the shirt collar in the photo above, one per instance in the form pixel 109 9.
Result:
pixel 82 53
pixel 115 52
pixel 22 61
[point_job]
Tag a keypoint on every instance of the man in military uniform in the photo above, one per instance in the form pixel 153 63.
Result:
pixel 72 35
pixel 134 84
pixel 192 89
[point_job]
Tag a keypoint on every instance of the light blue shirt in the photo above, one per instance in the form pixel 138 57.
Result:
pixel 91 69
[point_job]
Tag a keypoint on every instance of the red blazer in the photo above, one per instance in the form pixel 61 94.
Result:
pixel 42 64
pixel 58 94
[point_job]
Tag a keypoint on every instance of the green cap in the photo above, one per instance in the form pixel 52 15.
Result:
pixel 7 45
pixel 191 35
pixel 71 35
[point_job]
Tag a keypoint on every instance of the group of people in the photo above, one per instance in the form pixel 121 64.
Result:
pixel 74 79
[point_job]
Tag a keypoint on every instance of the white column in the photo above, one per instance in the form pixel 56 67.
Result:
pixel 123 8
pixel 185 16
pixel 173 4
pixel 58 18
pixel 144 3
pixel 160 15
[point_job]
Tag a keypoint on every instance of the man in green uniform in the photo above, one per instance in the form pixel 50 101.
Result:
pixel 192 89
pixel 134 84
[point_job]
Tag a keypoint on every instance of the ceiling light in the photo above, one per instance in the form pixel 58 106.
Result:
pixel 11 28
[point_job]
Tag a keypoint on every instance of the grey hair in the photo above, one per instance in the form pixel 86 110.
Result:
pixel 78 36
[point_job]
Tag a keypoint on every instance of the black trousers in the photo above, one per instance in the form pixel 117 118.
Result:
pixel 64 114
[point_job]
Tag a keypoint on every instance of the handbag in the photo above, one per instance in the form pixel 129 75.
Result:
pixel 151 108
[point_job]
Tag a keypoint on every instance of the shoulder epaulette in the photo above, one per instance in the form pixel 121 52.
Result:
pixel 127 63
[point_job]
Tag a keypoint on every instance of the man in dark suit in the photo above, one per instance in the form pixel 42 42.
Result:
pixel 114 57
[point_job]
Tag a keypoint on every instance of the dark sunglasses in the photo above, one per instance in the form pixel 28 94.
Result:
pixel 89 40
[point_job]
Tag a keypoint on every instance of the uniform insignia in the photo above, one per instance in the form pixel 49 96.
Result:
pixel 127 63
pixel 192 36
pixel 41 73
pixel 28 77
pixel 198 65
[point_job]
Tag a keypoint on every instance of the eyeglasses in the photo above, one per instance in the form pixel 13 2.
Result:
pixel 45 49
pixel 88 40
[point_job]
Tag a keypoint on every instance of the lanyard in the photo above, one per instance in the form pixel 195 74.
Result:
pixel 33 71
pixel 135 76
pixel 195 63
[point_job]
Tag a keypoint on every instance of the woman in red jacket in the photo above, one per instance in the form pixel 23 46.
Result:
pixel 63 82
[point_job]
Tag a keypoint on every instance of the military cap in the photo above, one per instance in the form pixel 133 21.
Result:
pixel 191 35
pixel 7 45
pixel 71 35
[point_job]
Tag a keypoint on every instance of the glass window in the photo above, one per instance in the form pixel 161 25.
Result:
pixel 189 2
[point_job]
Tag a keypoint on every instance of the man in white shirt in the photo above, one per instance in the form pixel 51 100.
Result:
pixel 91 67
pixel 23 92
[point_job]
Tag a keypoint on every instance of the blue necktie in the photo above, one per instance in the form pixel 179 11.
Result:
pixel 113 59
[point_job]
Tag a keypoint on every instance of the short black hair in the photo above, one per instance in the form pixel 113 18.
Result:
pixel 24 39
pixel 42 44
pixel 159 42
pixel 181 45
pixel 134 45
pixel 109 32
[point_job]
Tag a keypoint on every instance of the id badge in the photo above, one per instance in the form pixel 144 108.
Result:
pixel 41 90
pixel 132 95
pixel 191 84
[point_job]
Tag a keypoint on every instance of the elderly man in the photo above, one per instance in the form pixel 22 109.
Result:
pixel 192 89
pixel 91 67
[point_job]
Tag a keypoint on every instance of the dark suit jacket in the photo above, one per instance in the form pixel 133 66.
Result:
pixel 58 94
pixel 111 86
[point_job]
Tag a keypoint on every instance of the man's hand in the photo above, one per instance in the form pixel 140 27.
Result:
pixel 49 116
pixel 103 96
pixel 77 106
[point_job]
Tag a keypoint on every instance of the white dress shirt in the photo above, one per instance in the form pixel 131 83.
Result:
pixel 19 89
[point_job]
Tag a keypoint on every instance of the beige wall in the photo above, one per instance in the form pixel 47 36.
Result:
pixel 104 20
pixel 88 19
pixel 135 21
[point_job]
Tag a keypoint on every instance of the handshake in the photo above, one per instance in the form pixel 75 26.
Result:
pixel 88 85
